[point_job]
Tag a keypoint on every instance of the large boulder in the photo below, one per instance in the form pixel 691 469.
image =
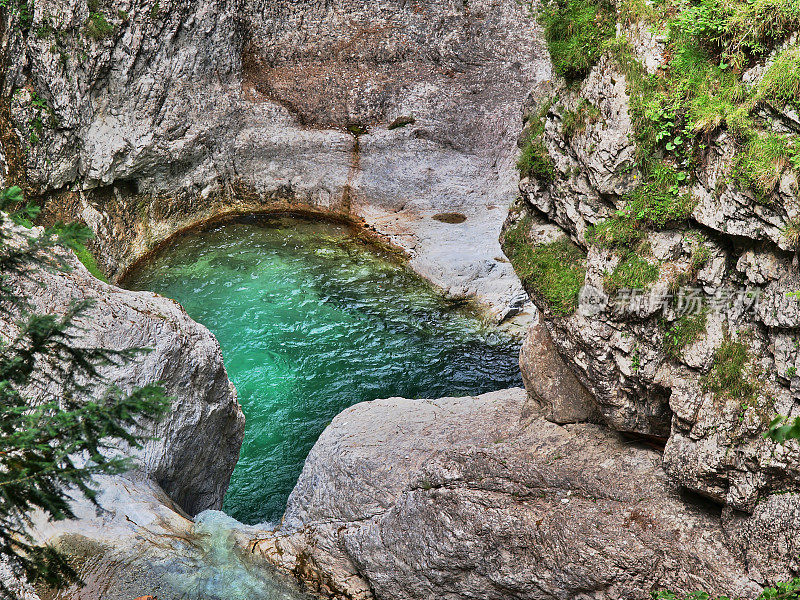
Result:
pixel 193 450
pixel 464 498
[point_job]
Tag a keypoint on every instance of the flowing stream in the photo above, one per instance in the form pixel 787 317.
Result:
pixel 312 320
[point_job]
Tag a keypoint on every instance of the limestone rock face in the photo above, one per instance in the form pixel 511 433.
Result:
pixel 731 250
pixel 463 498
pixel 551 384
pixel 392 112
pixel 196 445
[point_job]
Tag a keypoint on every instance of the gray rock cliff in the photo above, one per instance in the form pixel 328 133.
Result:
pixel 465 498
pixel 195 447
pixel 142 119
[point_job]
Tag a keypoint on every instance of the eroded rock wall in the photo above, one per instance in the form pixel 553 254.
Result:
pixel 465 498
pixel 141 119
pixel 649 377
pixel 196 446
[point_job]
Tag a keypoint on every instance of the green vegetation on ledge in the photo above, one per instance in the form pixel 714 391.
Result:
pixel 555 272
pixel 633 272
pixel 575 32
pixel 88 261
pixel 575 121
pixel 684 332
pixel 698 91
pixel 729 376
pixel 535 161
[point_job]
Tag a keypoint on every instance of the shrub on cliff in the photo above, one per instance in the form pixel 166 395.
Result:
pixel 60 421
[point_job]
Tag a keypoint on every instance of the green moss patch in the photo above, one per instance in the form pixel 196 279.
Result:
pixel 575 32
pixel 98 27
pixel 555 272
pixel 88 260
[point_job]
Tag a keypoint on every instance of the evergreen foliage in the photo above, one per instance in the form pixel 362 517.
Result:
pixel 61 422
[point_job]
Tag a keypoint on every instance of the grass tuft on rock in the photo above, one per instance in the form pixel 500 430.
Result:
pixel 575 32
pixel 728 375
pixel 535 161
pixel 88 261
pixel 633 272
pixel 575 121
pixel 554 272
pixel 98 27
pixel 684 332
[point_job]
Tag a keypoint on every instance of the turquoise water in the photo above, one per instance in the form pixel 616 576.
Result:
pixel 312 321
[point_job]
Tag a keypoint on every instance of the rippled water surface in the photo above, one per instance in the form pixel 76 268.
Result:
pixel 312 321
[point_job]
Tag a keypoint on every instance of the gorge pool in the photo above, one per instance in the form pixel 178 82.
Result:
pixel 312 320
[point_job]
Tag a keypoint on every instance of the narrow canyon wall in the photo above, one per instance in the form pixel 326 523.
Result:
pixel 141 119
pixel 706 383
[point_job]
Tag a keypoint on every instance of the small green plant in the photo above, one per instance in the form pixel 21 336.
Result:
pixel 356 129
pixel 763 161
pixel 685 331
pixel 633 272
pixel 791 232
pixel 44 30
pixel 655 204
pixel 21 10
pixel 789 590
pixel 728 376
pixel 791 372
pixel 535 161
pixel 700 256
pixel 575 121
pixel 783 429
pixel 554 272
pixel 155 9
pixel 98 26
pixel 781 82
pixel 617 233
pixel 575 32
